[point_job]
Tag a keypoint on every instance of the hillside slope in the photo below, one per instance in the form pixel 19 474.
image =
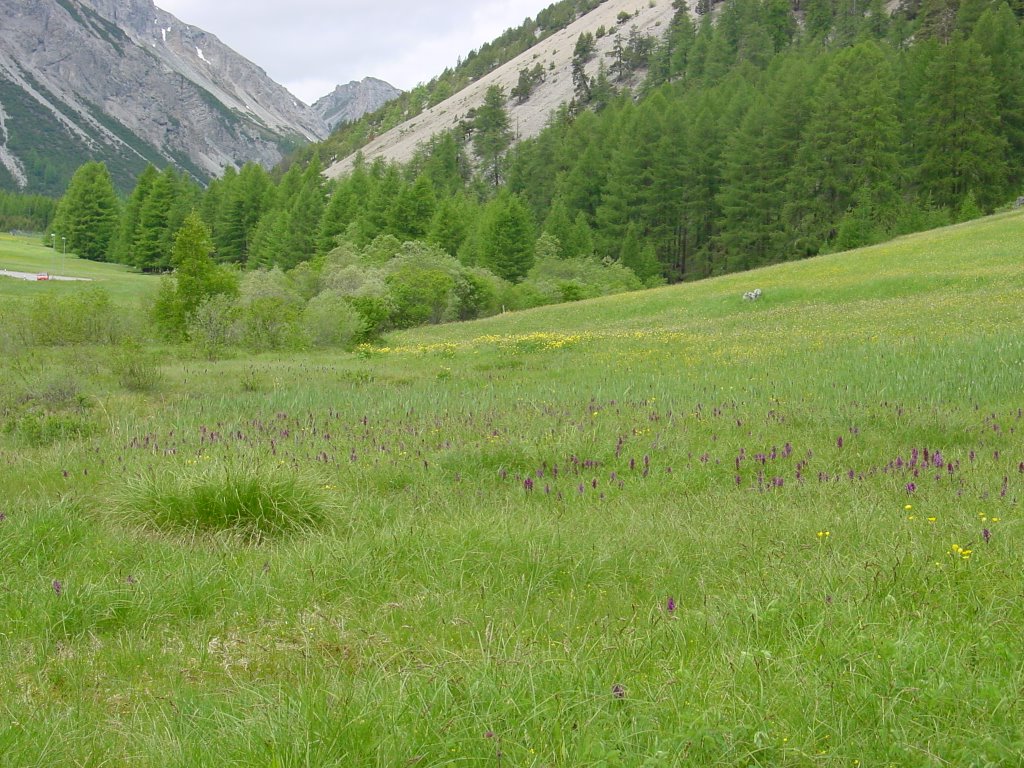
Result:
pixel 125 82
pixel 554 54
pixel 857 294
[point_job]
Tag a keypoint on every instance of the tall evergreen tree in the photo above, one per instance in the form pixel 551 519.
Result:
pixel 492 132
pixel 451 223
pixel 196 278
pixel 998 36
pixel 507 237
pixel 341 210
pixel 958 126
pixel 88 213
pixel 123 244
pixel 851 142
pixel 247 195
pixel 413 210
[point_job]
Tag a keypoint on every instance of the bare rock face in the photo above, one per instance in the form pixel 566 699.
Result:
pixel 553 53
pixel 347 103
pixel 127 83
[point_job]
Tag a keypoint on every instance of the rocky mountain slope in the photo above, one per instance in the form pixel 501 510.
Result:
pixel 125 82
pixel 554 54
pixel 350 102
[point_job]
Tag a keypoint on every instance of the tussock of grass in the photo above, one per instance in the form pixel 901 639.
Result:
pixel 252 502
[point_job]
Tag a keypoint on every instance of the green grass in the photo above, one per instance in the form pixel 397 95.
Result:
pixel 751 460
pixel 23 254
pixel 252 502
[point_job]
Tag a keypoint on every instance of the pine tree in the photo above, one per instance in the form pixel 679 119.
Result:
pixel 340 211
pixel 699 197
pixel 247 196
pixel 750 197
pixel 958 126
pixel 507 237
pixel 492 132
pixel 628 194
pixel 122 246
pixel 451 224
pixel 639 256
pixel 303 221
pixel 413 210
pixel 580 241
pixel 269 239
pixel 196 279
pixel 558 224
pixel 88 214
pixel 446 165
pixel 851 141
pixel 154 235
pixel 998 35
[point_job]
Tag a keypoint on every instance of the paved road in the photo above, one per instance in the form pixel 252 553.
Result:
pixel 39 276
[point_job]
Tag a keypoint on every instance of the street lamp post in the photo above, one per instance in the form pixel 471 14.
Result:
pixel 53 245
pixel 64 256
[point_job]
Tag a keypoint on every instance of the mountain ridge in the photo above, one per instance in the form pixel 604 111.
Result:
pixel 128 83
pixel 354 99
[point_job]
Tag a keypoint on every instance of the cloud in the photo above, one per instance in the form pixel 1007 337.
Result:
pixel 310 46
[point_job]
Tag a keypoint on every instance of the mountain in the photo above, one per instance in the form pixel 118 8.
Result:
pixel 125 82
pixel 553 53
pixel 350 102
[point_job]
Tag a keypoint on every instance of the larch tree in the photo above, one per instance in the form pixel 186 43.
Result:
pixel 492 133
pixel 88 214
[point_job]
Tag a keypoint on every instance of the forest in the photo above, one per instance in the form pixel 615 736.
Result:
pixel 764 136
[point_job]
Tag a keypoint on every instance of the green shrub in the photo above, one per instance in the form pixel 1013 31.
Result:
pixel 135 367
pixel 214 326
pixel 330 320
pixel 44 409
pixel 84 317
pixel 39 429
pixel 251 502
pixel 270 311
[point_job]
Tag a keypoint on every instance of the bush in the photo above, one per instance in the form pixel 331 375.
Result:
pixel 330 320
pixel 270 311
pixel 555 280
pixel 84 317
pixel 214 326
pixel 136 368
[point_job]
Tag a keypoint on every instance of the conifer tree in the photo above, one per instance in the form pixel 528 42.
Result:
pixel 998 36
pixel 303 220
pixel 451 224
pixel 196 278
pixel 850 142
pixel 507 237
pixel 88 213
pixel 750 197
pixel 958 126
pixel 492 133
pixel 247 195
pixel 122 246
pixel 341 210
pixel 413 210
pixel 154 234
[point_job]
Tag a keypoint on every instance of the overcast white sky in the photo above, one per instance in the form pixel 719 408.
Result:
pixel 310 46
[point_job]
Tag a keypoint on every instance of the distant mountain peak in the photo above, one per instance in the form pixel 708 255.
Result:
pixel 125 82
pixel 347 103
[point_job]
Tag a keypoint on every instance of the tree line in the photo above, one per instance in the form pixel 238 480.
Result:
pixel 752 140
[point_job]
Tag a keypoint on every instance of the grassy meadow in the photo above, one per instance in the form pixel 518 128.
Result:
pixel 22 254
pixel 657 529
